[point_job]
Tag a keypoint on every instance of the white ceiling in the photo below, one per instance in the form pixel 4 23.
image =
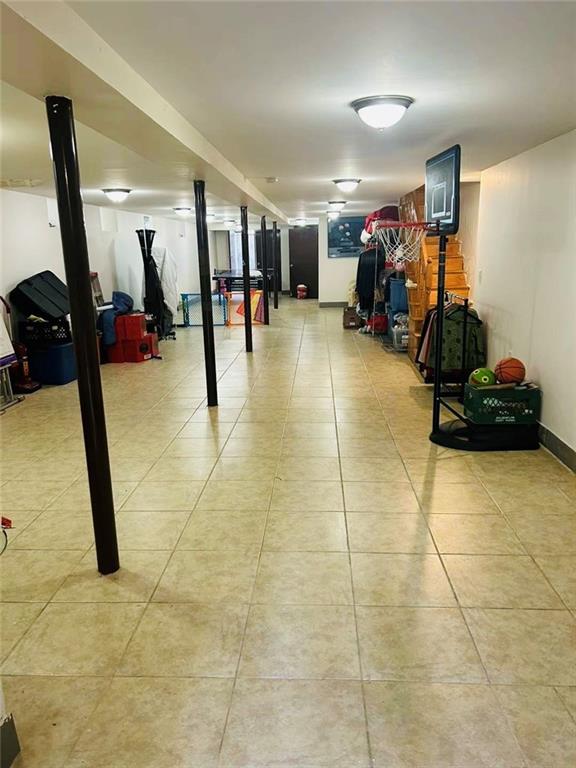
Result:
pixel 269 83
pixel 25 160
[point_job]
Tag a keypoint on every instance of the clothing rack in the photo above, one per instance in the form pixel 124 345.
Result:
pixel 466 303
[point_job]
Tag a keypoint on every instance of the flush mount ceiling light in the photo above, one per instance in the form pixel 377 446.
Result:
pixel 333 215
pixel 116 195
pixel 336 205
pixel 347 185
pixel 230 223
pixel 183 211
pixel 381 111
pixel 299 222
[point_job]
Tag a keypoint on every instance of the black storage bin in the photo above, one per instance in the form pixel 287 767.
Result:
pixel 35 335
pixel 43 294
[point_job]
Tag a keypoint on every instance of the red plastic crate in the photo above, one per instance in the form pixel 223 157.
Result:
pixel 115 353
pixel 137 350
pixel 130 326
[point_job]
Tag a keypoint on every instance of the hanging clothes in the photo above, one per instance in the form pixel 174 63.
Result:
pixel 154 303
pixel 452 340
pixel 168 273
pixel 452 346
pixel 370 263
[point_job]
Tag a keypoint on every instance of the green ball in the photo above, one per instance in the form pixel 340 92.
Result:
pixel 482 377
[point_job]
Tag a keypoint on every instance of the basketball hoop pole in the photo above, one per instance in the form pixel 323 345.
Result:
pixel 439 332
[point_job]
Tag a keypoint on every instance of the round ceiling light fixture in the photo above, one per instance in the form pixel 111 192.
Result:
pixel 116 195
pixel 347 185
pixel 299 222
pixel 211 217
pixel 336 205
pixel 381 111
pixel 182 211
pixel 230 223
pixel 333 215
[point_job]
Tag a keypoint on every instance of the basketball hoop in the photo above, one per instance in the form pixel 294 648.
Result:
pixel 400 240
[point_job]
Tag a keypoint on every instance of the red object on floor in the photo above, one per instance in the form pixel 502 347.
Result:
pixel 378 323
pixel 301 291
pixel 6 522
pixel 115 353
pixel 137 350
pixel 130 326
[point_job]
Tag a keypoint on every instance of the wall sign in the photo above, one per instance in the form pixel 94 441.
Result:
pixel 344 237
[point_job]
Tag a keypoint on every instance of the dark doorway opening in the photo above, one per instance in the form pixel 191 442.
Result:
pixel 304 259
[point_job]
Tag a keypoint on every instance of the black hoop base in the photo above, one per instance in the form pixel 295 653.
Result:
pixel 465 436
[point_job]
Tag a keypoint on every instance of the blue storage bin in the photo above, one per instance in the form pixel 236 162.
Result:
pixel 55 364
pixel 398 295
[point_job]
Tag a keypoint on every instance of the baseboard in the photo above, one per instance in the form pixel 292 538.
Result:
pixel 325 304
pixel 563 452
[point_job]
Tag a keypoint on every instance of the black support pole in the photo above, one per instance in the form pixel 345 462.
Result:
pixel 439 333
pixel 265 286
pixel 275 261
pixel 206 293
pixel 77 268
pixel 246 278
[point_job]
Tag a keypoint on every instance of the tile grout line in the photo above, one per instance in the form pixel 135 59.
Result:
pixel 440 559
pixel 528 554
pixel 254 582
pixel 371 756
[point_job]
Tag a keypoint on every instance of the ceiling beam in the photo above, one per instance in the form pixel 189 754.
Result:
pixel 48 49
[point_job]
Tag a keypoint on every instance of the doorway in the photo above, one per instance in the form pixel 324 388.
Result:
pixel 269 247
pixel 304 259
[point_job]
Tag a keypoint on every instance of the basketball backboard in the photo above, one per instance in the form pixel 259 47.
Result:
pixel 442 190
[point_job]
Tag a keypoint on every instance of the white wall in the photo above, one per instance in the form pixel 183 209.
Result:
pixel 334 275
pixel 30 245
pixel 468 231
pixel 525 279
pixel 220 255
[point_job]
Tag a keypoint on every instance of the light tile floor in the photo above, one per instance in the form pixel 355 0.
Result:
pixel 306 582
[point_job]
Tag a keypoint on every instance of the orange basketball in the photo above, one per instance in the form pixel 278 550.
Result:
pixel 510 370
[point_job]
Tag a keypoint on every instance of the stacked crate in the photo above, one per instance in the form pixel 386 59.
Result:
pixel 133 343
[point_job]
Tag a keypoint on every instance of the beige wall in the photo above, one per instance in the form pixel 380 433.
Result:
pixel 525 272
pixel 468 232
pixel 334 275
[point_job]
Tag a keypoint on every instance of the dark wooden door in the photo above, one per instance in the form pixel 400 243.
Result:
pixel 304 259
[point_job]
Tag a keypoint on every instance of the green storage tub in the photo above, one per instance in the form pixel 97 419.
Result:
pixel 521 405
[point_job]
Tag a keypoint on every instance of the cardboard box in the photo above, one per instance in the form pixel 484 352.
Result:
pixel 350 319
